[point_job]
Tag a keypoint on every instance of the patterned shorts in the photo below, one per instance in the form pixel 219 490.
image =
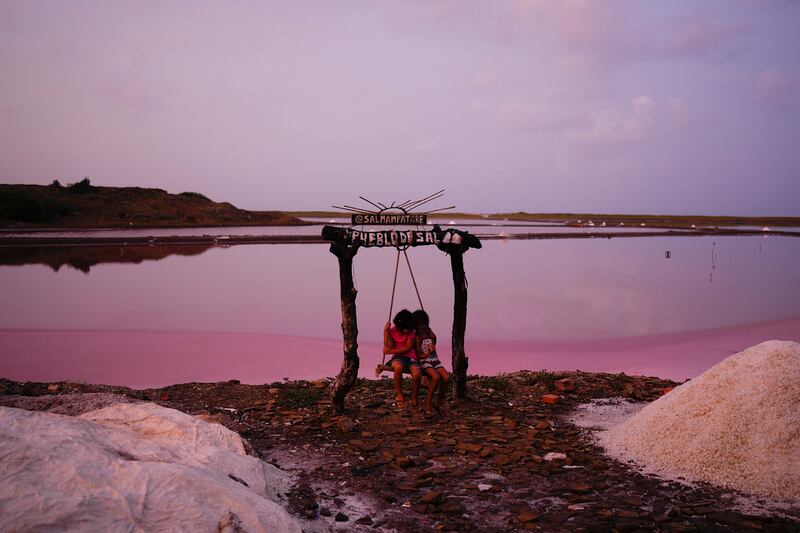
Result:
pixel 432 361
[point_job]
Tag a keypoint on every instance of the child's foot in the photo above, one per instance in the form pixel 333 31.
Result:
pixel 400 402
pixel 378 370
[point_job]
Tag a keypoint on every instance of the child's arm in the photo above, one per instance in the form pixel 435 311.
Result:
pixel 387 339
pixel 400 350
pixel 418 348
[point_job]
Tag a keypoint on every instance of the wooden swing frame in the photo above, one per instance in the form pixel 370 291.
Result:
pixel 344 245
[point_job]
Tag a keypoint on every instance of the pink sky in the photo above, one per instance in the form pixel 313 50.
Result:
pixel 615 106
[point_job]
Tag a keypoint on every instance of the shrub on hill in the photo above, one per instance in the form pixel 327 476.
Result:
pixel 80 187
pixel 195 195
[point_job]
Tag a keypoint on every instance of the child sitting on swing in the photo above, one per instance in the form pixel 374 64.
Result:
pixel 429 361
pixel 399 341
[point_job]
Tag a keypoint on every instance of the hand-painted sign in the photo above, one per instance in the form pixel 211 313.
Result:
pixel 443 238
pixel 392 238
pixel 388 219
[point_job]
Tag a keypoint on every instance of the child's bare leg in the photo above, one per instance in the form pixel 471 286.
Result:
pixel 416 377
pixel 433 382
pixel 381 368
pixel 423 383
pixel 397 367
pixel 445 380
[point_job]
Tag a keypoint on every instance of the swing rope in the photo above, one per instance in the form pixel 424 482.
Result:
pixel 413 280
pixel 391 302
pixel 394 288
pixel 394 285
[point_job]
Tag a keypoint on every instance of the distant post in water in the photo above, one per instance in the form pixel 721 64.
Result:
pixel 345 243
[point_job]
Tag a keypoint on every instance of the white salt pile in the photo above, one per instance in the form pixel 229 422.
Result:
pixel 133 467
pixel 737 425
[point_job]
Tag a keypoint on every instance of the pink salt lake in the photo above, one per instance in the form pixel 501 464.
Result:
pixel 264 312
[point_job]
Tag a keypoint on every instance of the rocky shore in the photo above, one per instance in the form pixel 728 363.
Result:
pixel 507 459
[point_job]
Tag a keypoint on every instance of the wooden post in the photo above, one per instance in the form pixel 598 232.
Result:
pixel 460 360
pixel 348 374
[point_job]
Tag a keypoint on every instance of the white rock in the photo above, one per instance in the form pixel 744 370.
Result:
pixel 132 467
pixel 552 456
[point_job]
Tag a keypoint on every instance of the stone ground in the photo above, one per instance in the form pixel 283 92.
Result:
pixel 504 460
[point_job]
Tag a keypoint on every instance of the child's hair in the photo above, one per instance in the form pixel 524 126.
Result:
pixel 404 320
pixel 421 318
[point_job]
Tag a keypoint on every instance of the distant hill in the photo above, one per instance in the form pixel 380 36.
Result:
pixel 82 205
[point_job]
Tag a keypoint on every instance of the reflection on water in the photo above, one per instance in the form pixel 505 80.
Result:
pixel 519 291
pixel 83 258
pixel 713 261
pixel 567 289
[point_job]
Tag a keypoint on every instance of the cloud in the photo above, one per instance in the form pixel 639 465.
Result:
pixel 775 87
pixel 608 32
pixel 10 110
pixel 425 145
pixel 536 114
pixel 578 121
pixel 602 32
pixel 539 111
pixel 612 126
pixel 698 36
pixel 138 92
pixel 486 77
pixel 677 109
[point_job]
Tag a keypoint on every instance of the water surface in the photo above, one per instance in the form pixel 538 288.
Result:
pixel 532 304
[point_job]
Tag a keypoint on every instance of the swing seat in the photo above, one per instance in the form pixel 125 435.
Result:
pixel 424 379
